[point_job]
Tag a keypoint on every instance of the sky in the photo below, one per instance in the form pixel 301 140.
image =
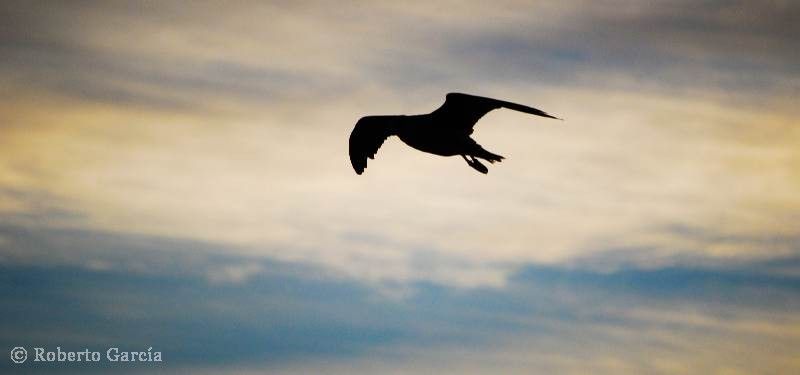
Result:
pixel 175 175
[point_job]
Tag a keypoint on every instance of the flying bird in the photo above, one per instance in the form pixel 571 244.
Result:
pixel 445 131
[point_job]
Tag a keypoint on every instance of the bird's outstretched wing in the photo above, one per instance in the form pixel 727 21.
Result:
pixel 367 137
pixel 464 110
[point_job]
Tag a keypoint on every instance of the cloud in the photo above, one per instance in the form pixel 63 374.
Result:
pixel 220 127
pixel 577 192
pixel 173 56
pixel 291 316
pixel 176 176
pixel 234 273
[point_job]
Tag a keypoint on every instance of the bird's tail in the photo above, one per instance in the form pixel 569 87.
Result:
pixel 480 152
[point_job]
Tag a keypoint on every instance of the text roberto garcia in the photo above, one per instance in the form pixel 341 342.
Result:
pixel 86 355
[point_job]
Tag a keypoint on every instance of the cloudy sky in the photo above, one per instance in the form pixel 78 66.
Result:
pixel 175 175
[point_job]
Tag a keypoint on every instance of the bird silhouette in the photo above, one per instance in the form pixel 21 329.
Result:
pixel 445 131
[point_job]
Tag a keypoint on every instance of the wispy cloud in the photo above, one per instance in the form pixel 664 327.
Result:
pixel 218 126
pixel 545 317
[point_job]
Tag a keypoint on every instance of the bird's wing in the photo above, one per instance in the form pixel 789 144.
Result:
pixel 366 138
pixel 464 110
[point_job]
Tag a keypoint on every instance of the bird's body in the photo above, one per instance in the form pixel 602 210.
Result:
pixel 421 133
pixel 445 131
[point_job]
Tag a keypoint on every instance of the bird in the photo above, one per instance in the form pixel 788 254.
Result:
pixel 445 131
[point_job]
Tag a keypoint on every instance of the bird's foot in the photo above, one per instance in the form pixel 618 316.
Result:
pixel 475 164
